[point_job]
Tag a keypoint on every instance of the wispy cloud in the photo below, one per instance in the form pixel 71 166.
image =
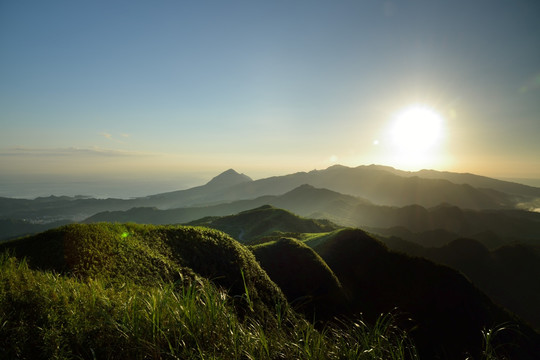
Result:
pixel 106 135
pixel 112 137
pixel 70 151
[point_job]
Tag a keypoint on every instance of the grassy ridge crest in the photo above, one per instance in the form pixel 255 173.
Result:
pixel 127 291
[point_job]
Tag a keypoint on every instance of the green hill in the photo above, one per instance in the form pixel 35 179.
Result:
pixel 143 291
pixel 263 222
pixel 126 291
pixel 144 253
pixel 309 284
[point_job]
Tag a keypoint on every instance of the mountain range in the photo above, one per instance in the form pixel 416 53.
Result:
pixel 379 185
pixel 374 197
pixel 455 254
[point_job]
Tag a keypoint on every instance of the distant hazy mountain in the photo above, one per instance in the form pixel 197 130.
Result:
pixel 481 182
pixel 356 186
pixel 227 179
pixel 304 200
pixel 214 191
pixel 437 225
pixel 77 208
pixel 378 185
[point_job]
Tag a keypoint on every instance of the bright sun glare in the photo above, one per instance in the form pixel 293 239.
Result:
pixel 416 132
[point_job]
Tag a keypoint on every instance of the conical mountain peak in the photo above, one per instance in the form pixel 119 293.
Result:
pixel 228 178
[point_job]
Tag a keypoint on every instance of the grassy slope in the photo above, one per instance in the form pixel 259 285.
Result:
pixel 307 281
pixel 116 291
pixel 143 253
pixel 264 222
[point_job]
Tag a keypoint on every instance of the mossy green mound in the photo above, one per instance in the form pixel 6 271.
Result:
pixel 144 254
pixel 309 284
pixel 110 292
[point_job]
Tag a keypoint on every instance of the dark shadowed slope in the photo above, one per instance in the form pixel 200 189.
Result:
pixel 309 284
pixel 509 275
pixel 448 312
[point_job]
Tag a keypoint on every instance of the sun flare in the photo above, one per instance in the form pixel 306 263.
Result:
pixel 416 129
pixel 416 134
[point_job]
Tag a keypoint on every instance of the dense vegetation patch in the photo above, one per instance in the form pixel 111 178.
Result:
pixel 82 313
pixel 127 291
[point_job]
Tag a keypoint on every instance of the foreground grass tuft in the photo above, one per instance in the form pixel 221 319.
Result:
pixel 44 315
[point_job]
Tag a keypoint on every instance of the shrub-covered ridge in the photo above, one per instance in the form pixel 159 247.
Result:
pixel 46 315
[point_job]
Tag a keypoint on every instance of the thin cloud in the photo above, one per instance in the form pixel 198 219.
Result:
pixel 106 135
pixel 70 151
pixel 112 137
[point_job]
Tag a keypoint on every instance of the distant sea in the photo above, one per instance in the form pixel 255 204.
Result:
pixel 30 188
pixel 122 189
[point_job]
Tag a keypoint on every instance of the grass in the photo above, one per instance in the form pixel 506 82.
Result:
pixel 145 254
pixel 45 315
pixel 127 291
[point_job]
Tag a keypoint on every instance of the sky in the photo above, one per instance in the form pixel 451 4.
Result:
pixel 163 94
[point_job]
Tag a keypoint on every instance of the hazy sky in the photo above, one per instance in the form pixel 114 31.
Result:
pixel 162 89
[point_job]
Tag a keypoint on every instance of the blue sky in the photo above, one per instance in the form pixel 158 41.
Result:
pixel 102 89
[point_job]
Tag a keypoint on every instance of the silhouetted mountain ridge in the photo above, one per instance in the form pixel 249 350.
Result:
pixel 379 185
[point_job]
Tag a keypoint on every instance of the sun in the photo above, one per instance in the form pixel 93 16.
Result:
pixel 416 129
pixel 416 134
